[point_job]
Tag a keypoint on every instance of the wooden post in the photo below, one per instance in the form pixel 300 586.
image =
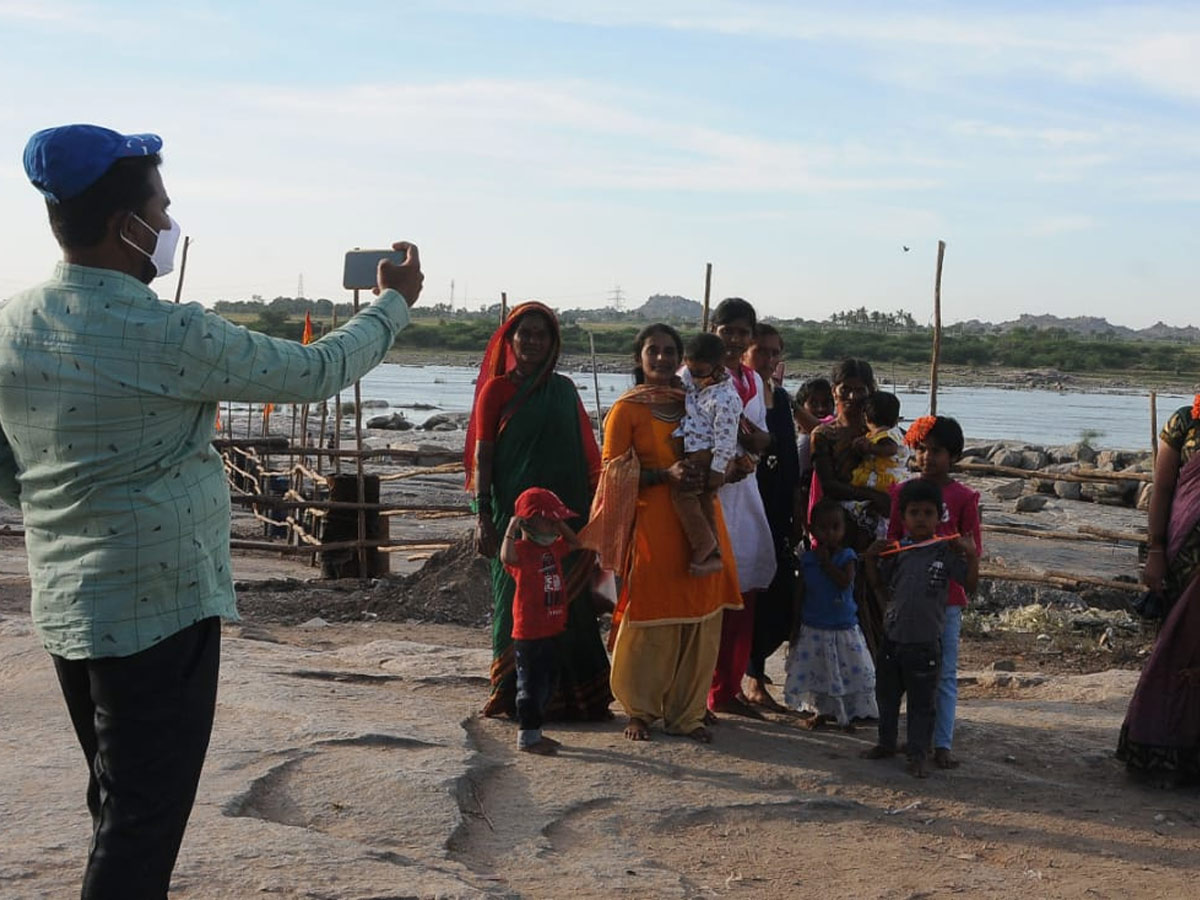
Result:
pixel 937 330
pixel 363 568
pixel 187 241
pixel 1154 425
pixel 503 306
pixel 596 383
pixel 707 295
pixel 337 416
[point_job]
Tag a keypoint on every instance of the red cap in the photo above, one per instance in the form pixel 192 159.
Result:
pixel 541 502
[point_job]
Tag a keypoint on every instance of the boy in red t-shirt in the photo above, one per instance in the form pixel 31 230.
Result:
pixel 535 542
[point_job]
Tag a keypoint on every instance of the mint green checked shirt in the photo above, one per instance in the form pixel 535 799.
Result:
pixel 108 398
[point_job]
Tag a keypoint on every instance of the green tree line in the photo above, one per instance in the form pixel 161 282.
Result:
pixel 1020 348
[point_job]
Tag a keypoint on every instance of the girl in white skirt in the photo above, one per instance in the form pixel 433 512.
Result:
pixel 829 671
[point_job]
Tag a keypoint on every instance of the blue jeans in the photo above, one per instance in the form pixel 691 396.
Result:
pixel 535 683
pixel 947 690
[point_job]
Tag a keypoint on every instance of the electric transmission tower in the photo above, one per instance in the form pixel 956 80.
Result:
pixel 617 298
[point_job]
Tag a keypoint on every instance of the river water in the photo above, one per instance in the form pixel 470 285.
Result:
pixel 1035 416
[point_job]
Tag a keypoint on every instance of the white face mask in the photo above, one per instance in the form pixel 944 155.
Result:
pixel 163 256
pixel 545 539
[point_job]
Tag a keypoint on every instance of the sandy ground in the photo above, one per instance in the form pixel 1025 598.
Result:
pixel 348 762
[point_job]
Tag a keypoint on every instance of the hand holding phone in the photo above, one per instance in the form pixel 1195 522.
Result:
pixel 379 270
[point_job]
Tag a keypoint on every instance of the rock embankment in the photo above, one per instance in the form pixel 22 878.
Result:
pixel 1070 472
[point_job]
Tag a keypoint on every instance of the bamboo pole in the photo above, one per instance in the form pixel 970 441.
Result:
pixel 503 306
pixel 268 546
pixel 937 330
pixel 707 296
pixel 358 469
pixel 1057 579
pixel 258 499
pixel 1058 535
pixel 1111 535
pixel 1154 426
pixel 1080 475
pixel 596 383
pixel 337 417
pixel 187 242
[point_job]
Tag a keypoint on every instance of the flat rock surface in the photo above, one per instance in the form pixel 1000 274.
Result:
pixel 347 762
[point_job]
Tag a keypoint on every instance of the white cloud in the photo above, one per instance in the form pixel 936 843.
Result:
pixel 1168 62
pixel 1064 224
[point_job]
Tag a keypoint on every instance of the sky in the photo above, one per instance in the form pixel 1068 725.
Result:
pixel 568 151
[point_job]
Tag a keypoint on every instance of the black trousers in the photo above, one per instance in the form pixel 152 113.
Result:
pixel 912 670
pixel 535 680
pixel 773 612
pixel 143 722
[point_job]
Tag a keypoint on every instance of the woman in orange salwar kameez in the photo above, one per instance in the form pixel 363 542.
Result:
pixel 668 621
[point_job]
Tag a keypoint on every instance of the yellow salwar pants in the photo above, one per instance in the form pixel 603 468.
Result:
pixel 664 671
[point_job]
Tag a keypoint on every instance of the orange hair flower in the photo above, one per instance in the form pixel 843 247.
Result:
pixel 1196 408
pixel 919 430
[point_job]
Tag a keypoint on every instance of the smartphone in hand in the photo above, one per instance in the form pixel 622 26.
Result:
pixel 360 270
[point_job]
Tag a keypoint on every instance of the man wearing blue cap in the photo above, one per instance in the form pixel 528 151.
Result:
pixel 108 398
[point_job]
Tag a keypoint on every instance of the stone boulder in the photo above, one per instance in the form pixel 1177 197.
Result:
pixel 1079 452
pixel 1031 503
pixel 1114 493
pixel 1068 490
pixel 446 421
pixel 1006 456
pixel 1033 458
pixel 393 422
pixel 1010 490
pixel 979 451
pixel 1113 460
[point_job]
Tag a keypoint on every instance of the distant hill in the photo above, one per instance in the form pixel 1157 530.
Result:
pixel 662 307
pixel 1085 326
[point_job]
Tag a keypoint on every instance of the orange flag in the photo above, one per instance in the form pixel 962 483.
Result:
pixel 306 338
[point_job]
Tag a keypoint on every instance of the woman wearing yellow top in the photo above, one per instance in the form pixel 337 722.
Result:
pixel 668 621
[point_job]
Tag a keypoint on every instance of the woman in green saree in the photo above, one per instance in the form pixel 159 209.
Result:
pixel 528 428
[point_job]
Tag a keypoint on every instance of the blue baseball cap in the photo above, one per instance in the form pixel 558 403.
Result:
pixel 65 161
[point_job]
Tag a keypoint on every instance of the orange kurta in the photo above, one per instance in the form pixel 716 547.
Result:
pixel 658 587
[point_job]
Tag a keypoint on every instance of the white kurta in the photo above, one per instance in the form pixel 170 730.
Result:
pixel 745 517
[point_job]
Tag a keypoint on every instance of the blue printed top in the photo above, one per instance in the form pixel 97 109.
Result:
pixel 825 605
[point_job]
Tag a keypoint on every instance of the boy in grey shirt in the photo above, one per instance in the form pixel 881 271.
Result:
pixel 913 581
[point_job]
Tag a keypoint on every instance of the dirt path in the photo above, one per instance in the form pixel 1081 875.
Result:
pixel 348 762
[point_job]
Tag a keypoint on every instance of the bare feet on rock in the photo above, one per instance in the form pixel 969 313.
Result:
pixel 637 730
